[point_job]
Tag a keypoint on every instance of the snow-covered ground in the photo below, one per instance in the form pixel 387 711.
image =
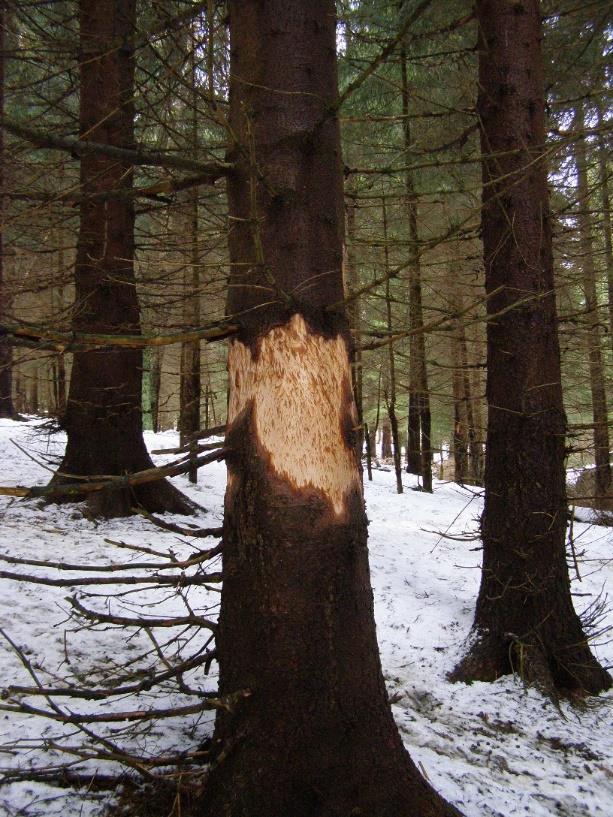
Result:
pixel 492 749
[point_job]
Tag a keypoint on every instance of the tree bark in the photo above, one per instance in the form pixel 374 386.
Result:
pixel 592 314
pixel 419 449
pixel 104 413
pixel 7 409
pixel 189 412
pixel 355 323
pixel 524 621
pixel 603 178
pixel 391 359
pixel 314 735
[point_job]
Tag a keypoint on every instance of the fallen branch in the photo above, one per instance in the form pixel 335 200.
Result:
pixel 173 581
pixel 97 694
pixel 136 621
pixel 127 480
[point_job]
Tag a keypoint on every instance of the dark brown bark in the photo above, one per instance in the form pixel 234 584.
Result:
pixel 419 452
pixel 524 621
pixel 391 384
pixel 355 323
pixel 7 409
pixel 592 313
pixel 189 410
pixel 315 736
pixel 104 416
pixel 603 179
pixel 386 441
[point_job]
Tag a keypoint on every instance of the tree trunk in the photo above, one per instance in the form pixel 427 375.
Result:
pixel 592 312
pixel 189 410
pixel 386 441
pixel 524 621
pixel 603 178
pixel 355 323
pixel 313 735
pixel 391 391
pixel 104 413
pixel 7 409
pixel 419 451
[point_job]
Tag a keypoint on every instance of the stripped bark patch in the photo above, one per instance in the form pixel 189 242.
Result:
pixel 298 385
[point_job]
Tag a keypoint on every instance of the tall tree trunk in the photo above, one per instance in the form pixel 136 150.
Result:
pixel 104 413
pixel 603 178
pixel 7 409
pixel 189 411
pixel 419 450
pixel 592 312
pixel 355 322
pixel 476 435
pixel 524 621
pixel 391 360
pixel 311 732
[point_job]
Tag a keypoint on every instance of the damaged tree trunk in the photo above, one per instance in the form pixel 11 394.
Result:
pixel 524 621
pixel 103 418
pixel 314 735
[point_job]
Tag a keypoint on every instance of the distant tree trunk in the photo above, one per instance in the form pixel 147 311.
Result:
pixel 355 323
pixel 189 411
pixel 60 361
pixel 476 434
pixel 592 312
pixel 419 450
pixel 391 392
pixel 7 409
pixel 104 413
pixel 524 621
pixel 155 382
pixel 603 178
pixel 315 734
pixel 386 440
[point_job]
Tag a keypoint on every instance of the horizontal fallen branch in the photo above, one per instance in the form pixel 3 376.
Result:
pixel 173 581
pixel 98 694
pixel 198 558
pixel 141 621
pixel 89 485
pixel 197 533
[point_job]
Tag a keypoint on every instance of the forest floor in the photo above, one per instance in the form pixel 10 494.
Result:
pixel 492 749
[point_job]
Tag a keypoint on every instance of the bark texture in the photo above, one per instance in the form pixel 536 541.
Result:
pixel 525 621
pixel 314 734
pixel 103 415
pixel 7 409
pixel 419 446
pixel 598 389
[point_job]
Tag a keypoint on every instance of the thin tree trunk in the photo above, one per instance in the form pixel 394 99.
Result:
pixel 355 323
pixel 7 409
pixel 104 412
pixel 476 435
pixel 524 621
pixel 603 178
pixel 386 440
pixel 313 733
pixel 419 453
pixel 592 312
pixel 391 395
pixel 189 414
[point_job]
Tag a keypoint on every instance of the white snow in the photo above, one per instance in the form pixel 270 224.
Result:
pixel 492 749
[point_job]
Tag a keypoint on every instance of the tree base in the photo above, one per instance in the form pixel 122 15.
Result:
pixel 155 497
pixel 567 671
pixel 249 782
